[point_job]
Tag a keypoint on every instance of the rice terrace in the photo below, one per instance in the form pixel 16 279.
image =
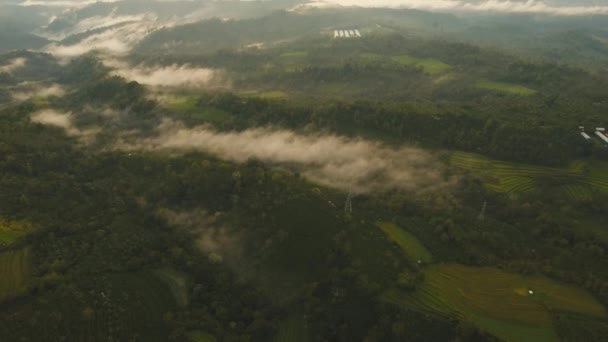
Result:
pixel 304 170
pixel 580 181
pixel 513 307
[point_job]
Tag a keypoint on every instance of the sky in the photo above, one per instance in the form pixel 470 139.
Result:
pixel 552 7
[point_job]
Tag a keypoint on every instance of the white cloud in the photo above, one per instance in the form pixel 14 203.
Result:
pixel 14 64
pixel 340 162
pixel 29 90
pixel 494 6
pixel 116 41
pixel 62 3
pixel 63 120
pixel 169 76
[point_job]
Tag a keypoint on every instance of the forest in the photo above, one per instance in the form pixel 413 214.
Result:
pixel 401 186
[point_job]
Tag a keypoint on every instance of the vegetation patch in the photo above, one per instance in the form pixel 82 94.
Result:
pixel 177 283
pixel 11 231
pixel 510 306
pixel 188 104
pixel 200 336
pixel 579 182
pixel 181 103
pixel 430 66
pixel 506 88
pixel 293 329
pixel 294 54
pixel 408 242
pixel 15 268
pixel 273 95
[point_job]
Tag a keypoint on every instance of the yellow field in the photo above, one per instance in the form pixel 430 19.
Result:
pixel 11 231
pixel 506 88
pixel 14 273
pixel 510 306
pixel 408 242
pixel 578 182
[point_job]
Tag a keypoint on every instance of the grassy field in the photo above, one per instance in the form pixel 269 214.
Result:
pixel 180 103
pixel 293 329
pixel 11 231
pixel 408 242
pixel 510 306
pixel 189 105
pixel 273 95
pixel 430 66
pixel 177 283
pixel 294 55
pixel 506 88
pixel 14 273
pixel 578 182
pixel 200 336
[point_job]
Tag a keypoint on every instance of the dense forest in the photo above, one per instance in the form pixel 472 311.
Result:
pixel 258 179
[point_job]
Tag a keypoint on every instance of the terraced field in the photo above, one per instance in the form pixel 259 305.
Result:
pixel 578 182
pixel 408 242
pixel 293 329
pixel 506 88
pixel 510 306
pixel 14 272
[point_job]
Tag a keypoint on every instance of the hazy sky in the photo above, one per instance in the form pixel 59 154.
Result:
pixel 553 7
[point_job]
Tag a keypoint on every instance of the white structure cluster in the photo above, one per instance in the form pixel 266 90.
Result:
pixel 599 131
pixel 347 33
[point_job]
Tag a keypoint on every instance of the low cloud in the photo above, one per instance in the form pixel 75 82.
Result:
pixel 219 242
pixel 13 65
pixel 115 41
pixel 36 90
pixel 356 165
pixel 490 6
pixel 62 3
pixel 170 76
pixel 63 120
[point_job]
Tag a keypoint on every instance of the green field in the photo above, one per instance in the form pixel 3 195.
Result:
pixel 294 55
pixel 578 182
pixel 181 103
pixel 14 272
pixel 189 105
pixel 272 95
pixel 11 231
pixel 200 336
pixel 293 329
pixel 498 301
pixel 506 88
pixel 430 66
pixel 177 283
pixel 408 242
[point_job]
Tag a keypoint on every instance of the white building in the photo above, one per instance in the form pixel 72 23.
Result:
pixel 602 136
pixel 585 135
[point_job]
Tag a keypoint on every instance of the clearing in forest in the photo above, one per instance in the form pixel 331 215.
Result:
pixel 579 182
pixel 408 242
pixel 506 88
pixel 430 66
pixel 293 329
pixel 509 306
pixel 15 268
pixel 200 336
pixel 188 104
pixel 177 283
pixel 11 231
